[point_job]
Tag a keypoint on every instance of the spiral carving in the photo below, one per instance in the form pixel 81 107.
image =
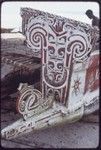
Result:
pixel 79 46
pixel 37 38
pixel 51 50
pixel 61 42
pixel 61 53
pixel 55 77
pixel 29 100
pixel 36 34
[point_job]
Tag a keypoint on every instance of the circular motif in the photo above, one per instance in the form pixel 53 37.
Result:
pixel 29 100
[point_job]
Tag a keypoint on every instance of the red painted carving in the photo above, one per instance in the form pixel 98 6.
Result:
pixel 60 42
pixel 92 74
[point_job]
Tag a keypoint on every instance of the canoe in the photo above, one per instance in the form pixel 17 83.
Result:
pixel 69 76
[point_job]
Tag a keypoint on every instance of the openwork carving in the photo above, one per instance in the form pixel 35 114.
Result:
pixel 59 25
pixel 31 102
pixel 79 44
pixel 36 36
pixel 60 42
pixel 63 45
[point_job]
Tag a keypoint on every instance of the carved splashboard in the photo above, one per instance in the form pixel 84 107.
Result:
pixel 57 23
pixel 70 75
pixel 61 43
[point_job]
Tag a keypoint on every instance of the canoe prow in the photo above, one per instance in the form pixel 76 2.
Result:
pixel 70 73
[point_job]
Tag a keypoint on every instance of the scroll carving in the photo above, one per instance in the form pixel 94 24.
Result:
pixel 60 42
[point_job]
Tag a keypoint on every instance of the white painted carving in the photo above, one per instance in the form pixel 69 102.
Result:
pixel 64 45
